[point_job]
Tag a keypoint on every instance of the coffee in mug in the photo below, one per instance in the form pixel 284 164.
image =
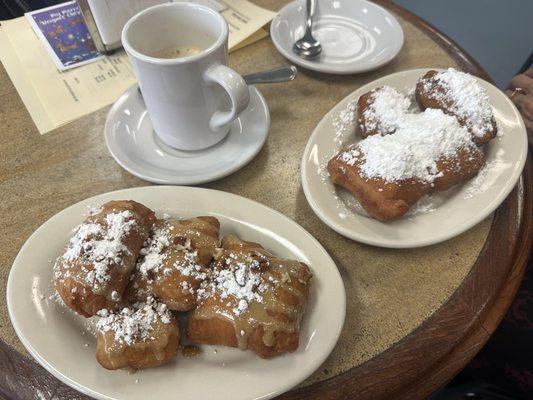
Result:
pixel 177 51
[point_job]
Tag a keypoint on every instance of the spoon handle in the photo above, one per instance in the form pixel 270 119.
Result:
pixel 276 75
pixel 311 8
pixel 283 74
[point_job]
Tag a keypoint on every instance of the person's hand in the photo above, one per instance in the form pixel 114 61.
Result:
pixel 521 93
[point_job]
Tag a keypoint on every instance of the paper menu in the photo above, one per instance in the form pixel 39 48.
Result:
pixel 55 98
pixel 257 36
pixel 244 19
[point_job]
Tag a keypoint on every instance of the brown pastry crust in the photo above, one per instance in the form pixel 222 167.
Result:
pixel 425 97
pixel 139 289
pixel 268 327
pixel 385 201
pixel 71 276
pixel 362 129
pixel 222 333
pixel 464 166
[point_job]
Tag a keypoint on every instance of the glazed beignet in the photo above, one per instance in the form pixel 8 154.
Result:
pixel 459 94
pixel 380 111
pixel 96 265
pixel 139 289
pixel 140 336
pixel 174 261
pixel 388 174
pixel 252 300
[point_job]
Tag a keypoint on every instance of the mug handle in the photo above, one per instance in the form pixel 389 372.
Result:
pixel 236 88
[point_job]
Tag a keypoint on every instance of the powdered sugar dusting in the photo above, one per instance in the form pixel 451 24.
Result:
pixel 386 110
pixel 486 176
pixel 424 205
pixel 188 266
pixel 134 324
pixel 100 245
pixel 155 252
pixel 470 100
pixel 240 280
pixel 412 151
pixel 345 119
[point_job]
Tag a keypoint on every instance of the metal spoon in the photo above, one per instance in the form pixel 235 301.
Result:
pixel 283 74
pixel 276 75
pixel 308 47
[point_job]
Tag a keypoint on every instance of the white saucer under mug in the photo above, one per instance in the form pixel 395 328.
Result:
pixel 356 35
pixel 131 140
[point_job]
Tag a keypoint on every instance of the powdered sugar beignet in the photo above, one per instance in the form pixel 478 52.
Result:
pixel 142 335
pixel 96 265
pixel 253 300
pixel 388 174
pixel 459 94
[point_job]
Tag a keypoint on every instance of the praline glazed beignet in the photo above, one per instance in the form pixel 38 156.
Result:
pixel 174 260
pixel 96 265
pixel 380 111
pixel 253 300
pixel 138 290
pixel 142 335
pixel 459 94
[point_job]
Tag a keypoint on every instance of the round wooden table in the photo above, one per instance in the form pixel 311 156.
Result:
pixel 414 317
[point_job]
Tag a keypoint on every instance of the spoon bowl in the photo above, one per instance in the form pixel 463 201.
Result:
pixel 308 47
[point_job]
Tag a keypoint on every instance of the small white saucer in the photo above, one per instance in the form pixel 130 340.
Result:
pixel 133 143
pixel 356 35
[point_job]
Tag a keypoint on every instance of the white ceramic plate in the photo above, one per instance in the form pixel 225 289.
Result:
pixel 356 35
pixel 53 334
pixel 131 140
pixel 433 219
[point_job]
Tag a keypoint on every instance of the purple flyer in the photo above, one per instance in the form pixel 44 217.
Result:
pixel 64 33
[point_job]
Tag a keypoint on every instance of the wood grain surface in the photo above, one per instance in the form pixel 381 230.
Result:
pixel 416 365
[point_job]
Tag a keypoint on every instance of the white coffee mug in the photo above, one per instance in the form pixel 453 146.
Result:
pixel 191 100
